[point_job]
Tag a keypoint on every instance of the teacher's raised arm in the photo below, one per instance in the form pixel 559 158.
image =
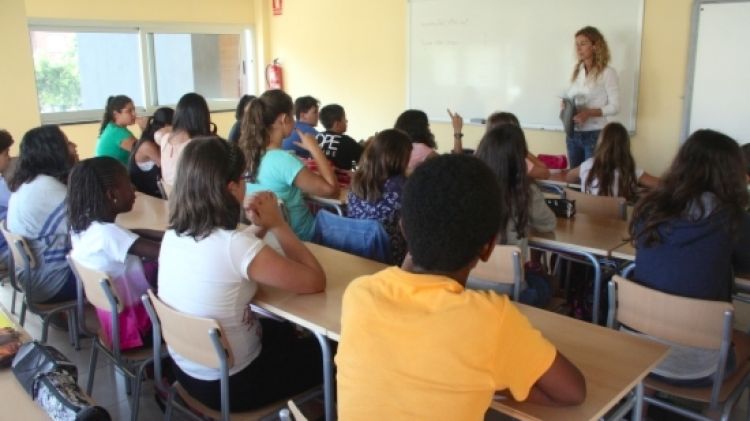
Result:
pixel 594 91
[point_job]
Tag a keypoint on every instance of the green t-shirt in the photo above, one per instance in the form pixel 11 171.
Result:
pixel 277 171
pixel 109 143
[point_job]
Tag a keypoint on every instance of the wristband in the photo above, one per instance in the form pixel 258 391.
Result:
pixel 458 135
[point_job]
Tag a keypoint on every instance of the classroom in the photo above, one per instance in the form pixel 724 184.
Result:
pixel 356 53
pixel 664 52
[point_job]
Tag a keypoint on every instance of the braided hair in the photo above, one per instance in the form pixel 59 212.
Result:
pixel 88 184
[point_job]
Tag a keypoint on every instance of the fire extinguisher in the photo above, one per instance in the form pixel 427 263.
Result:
pixel 274 76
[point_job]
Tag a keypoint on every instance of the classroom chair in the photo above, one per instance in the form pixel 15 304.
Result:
pixel 688 322
pixel 20 262
pixel 502 273
pixel 201 340
pixel 99 291
pixel 362 237
pixel 601 206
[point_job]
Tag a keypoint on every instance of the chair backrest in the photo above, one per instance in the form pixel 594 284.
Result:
pixel 503 267
pixel 603 206
pixel 189 335
pixel 94 283
pixel 681 320
pixel 19 248
pixel 363 237
pixel 163 189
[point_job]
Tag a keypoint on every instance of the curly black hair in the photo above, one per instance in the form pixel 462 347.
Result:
pixel 450 209
pixel 88 184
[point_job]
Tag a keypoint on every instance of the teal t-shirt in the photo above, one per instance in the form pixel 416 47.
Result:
pixel 277 171
pixel 109 143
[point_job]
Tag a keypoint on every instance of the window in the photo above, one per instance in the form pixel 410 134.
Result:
pixel 77 68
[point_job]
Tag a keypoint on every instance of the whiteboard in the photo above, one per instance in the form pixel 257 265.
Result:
pixel 719 90
pixel 481 56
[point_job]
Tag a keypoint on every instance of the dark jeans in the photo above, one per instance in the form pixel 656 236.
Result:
pixel 287 365
pixel 68 292
pixel 581 146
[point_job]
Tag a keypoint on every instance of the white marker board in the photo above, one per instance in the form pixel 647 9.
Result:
pixel 719 73
pixel 481 56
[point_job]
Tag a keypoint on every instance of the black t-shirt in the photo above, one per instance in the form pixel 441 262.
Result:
pixel 340 149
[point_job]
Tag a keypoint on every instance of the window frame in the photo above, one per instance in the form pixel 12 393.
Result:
pixel 145 33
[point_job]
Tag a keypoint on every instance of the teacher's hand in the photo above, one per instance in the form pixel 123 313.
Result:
pixel 582 116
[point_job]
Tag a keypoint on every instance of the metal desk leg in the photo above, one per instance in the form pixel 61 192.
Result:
pixel 325 350
pixel 597 285
pixel 638 408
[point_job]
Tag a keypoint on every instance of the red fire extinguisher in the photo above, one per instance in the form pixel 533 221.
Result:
pixel 274 75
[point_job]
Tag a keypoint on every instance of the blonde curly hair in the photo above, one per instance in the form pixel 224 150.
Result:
pixel 601 51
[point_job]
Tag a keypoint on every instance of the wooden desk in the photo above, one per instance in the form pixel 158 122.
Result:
pixel 13 395
pixel 612 362
pixel 559 179
pixel 625 251
pixel 148 213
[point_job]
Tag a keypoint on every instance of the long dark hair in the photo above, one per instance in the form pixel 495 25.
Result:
pixel 88 184
pixel 504 150
pixel 162 117
pixel 114 103
pixel 386 156
pixel 260 115
pixel 501 117
pixel 708 162
pixel 192 116
pixel 417 126
pixel 201 201
pixel 613 156
pixel 43 151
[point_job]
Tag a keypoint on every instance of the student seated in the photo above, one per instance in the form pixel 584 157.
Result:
pixel 267 121
pixel 211 267
pixel 415 344
pixel 612 170
pixel 99 190
pixel 6 140
pixel 692 233
pixel 378 184
pixel 115 139
pixel 306 113
pixel 37 210
pixel 535 168
pixel 340 149
pixel 144 166
pixel 503 149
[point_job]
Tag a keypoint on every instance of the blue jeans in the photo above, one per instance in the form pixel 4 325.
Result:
pixel 581 146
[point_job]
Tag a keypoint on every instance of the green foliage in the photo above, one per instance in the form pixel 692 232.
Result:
pixel 57 85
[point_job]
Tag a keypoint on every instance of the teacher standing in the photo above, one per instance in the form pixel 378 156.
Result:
pixel 595 92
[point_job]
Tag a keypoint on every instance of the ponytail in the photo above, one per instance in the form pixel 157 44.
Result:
pixel 255 131
pixel 114 103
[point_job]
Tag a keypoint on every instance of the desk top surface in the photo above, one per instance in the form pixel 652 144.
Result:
pixel 12 392
pixel 612 362
pixel 585 233
pixel 148 213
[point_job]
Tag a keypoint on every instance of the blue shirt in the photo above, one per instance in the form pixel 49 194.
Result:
pixel 288 143
pixel 276 173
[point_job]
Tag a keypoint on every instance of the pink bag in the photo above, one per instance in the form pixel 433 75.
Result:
pixel 554 162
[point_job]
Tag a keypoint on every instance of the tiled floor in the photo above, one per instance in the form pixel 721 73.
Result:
pixel 109 388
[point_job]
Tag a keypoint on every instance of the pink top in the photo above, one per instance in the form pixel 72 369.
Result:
pixel 170 154
pixel 419 152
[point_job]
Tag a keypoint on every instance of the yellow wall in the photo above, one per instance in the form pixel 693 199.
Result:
pixel 351 52
pixel 17 75
pixel 354 53
pixel 18 107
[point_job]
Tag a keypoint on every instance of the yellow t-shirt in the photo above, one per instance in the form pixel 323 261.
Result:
pixel 421 347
